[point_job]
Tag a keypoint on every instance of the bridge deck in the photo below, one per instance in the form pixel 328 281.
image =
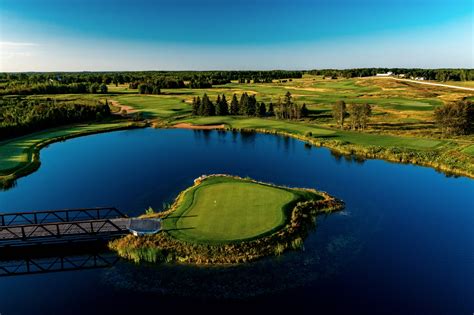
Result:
pixel 61 226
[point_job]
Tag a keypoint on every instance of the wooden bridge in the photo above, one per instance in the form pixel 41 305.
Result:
pixel 60 226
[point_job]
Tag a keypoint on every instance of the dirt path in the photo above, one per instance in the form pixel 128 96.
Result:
pixel 202 127
pixel 436 84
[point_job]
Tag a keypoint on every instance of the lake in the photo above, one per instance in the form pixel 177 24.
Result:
pixel 403 245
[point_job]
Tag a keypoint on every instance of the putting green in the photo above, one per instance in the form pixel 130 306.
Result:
pixel 225 209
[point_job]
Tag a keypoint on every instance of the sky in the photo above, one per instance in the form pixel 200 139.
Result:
pixel 115 35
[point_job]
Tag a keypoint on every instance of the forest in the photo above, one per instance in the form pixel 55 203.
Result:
pixel 21 116
pixel 428 74
pixel 249 106
pixel 82 82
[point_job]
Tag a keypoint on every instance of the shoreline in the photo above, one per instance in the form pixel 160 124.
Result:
pixel 164 247
pixel 418 158
pixel 34 162
pixel 414 157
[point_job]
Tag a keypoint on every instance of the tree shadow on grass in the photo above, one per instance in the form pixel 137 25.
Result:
pixel 179 229
pixel 181 216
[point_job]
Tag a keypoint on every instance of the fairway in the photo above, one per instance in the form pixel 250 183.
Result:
pixel 224 209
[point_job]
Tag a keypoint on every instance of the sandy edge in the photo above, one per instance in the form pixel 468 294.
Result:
pixel 200 127
pixel 127 109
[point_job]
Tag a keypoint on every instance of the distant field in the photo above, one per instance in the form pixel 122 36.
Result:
pixel 402 113
pixel 392 101
pixel 155 106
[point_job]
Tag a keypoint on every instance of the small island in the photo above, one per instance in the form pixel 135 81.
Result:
pixel 225 219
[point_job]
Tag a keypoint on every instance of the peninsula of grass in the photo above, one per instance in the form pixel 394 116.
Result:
pixel 224 219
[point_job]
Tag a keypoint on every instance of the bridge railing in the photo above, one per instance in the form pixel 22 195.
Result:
pixel 53 216
pixel 83 229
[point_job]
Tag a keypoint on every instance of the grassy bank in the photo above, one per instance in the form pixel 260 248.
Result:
pixel 443 155
pixel 20 156
pixel 401 128
pixel 224 219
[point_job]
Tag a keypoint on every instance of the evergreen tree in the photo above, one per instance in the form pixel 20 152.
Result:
pixel 208 107
pixel 222 108
pixel 200 106
pixel 304 111
pixel 103 88
pixel 234 106
pixel 196 104
pixel 244 100
pixel 271 111
pixel 262 110
pixel 251 109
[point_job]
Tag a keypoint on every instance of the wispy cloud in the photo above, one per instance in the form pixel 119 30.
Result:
pixel 16 44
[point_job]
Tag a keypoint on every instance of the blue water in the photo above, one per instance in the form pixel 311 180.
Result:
pixel 403 245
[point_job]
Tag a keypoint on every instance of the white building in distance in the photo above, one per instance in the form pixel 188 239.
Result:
pixel 388 74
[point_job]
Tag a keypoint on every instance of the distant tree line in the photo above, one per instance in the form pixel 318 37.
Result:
pixel 455 118
pixel 11 83
pixel 429 74
pixel 55 88
pixel 21 116
pixel 359 114
pixel 248 105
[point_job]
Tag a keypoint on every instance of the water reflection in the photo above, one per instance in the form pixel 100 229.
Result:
pixel 338 157
pixel 24 261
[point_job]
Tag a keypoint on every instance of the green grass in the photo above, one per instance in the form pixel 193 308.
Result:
pixel 18 152
pixel 156 106
pixel 405 110
pixel 224 209
pixel 469 150
pixel 260 123
pixel 301 129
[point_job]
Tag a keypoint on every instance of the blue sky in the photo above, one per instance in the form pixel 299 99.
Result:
pixel 73 35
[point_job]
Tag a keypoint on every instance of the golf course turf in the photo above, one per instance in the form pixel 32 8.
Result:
pixel 225 219
pixel 227 209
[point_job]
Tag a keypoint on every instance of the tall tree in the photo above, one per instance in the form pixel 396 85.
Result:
pixel 304 111
pixel 196 104
pixel 262 110
pixel 251 109
pixel 339 112
pixel 244 100
pixel 456 118
pixel 271 111
pixel 366 113
pixel 103 88
pixel 359 114
pixel 208 107
pixel 234 106
pixel 222 107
